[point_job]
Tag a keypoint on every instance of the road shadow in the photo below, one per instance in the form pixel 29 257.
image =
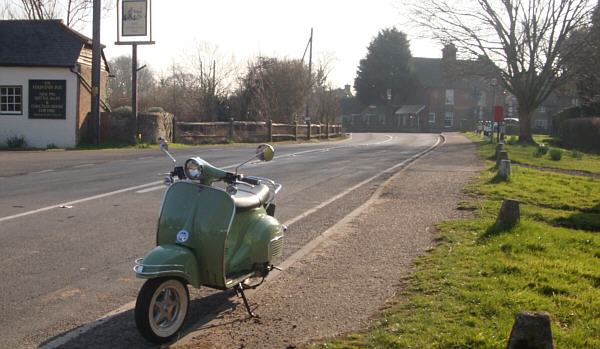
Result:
pixel 119 331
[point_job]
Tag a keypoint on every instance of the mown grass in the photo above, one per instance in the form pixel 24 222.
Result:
pixel 466 291
pixel 524 154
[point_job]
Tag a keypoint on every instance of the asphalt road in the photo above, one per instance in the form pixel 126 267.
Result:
pixel 62 268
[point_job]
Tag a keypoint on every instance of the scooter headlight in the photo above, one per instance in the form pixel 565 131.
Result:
pixel 193 170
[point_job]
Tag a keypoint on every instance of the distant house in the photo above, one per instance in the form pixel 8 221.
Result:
pixel 452 94
pixel 45 79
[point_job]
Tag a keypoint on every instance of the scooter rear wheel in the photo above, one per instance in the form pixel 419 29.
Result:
pixel 161 308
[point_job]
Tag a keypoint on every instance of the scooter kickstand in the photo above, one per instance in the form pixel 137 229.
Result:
pixel 240 290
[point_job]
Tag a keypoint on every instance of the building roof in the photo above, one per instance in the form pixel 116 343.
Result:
pixel 40 43
pixel 438 72
pixel 410 109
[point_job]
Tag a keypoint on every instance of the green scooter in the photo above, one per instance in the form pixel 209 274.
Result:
pixel 207 236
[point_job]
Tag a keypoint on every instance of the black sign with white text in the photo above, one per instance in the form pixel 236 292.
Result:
pixel 47 99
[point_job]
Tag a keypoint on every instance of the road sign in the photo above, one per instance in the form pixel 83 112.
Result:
pixel 498 113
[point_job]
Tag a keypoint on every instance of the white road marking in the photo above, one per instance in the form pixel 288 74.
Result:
pixel 126 307
pixel 83 165
pixel 43 171
pixel 150 189
pixel 71 203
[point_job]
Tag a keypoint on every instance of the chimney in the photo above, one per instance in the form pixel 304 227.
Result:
pixel 348 92
pixel 449 52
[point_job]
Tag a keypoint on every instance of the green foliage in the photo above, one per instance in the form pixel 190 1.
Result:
pixel 540 150
pixel 16 142
pixel 524 154
pixel 556 154
pixel 386 66
pixel 466 292
pixel 512 140
pixel 51 146
pixel 576 154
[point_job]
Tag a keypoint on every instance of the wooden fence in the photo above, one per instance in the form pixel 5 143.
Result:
pixel 251 131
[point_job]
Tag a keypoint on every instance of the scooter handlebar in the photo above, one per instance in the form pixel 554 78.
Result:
pixel 249 180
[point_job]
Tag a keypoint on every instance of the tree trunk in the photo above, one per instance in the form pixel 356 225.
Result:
pixel 525 135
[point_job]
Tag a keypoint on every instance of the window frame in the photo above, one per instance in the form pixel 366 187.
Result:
pixel 451 113
pixel 449 97
pixel 431 117
pixel 12 112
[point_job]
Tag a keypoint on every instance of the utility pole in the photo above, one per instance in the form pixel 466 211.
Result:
pixel 134 71
pixel 96 58
pixel 310 42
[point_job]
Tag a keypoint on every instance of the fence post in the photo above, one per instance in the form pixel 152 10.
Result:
pixel 231 129
pixel 270 134
pixel 327 130
pixel 308 130
pixel 296 130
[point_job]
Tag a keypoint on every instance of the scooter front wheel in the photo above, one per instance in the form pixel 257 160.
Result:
pixel 161 308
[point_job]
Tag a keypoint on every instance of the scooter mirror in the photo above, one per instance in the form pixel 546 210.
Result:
pixel 265 152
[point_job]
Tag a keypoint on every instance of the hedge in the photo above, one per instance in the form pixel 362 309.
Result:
pixel 581 133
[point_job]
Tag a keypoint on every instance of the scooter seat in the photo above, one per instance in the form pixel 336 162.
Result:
pixel 246 200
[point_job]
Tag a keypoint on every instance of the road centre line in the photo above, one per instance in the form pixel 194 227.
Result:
pixel 286 263
pixel 71 203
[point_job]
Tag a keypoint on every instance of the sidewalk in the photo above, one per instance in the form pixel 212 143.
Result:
pixel 341 285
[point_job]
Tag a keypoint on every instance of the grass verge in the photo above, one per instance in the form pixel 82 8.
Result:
pixel 466 291
pixel 524 154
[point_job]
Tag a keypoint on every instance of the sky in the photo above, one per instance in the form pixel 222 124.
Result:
pixel 280 28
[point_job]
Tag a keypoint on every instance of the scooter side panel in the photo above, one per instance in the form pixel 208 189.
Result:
pixel 248 245
pixel 205 214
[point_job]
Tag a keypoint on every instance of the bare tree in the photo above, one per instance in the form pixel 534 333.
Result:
pixel 75 13
pixel 523 39
pixel 214 76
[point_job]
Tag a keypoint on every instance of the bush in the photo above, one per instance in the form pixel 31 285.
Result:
pixel 556 154
pixel 16 142
pixel 51 146
pixel 512 140
pixel 156 110
pixel 581 133
pixel 540 151
pixel 123 110
pixel 575 154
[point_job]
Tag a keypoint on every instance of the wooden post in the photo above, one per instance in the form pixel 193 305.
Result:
pixel 509 214
pixel 531 330
pixel 296 131
pixel 499 148
pixel 502 155
pixel 327 131
pixel 504 169
pixel 270 134
pixel 231 129
pixel 308 130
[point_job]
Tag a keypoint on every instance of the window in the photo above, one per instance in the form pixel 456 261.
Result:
pixel 448 119
pixel 11 100
pixel 450 97
pixel 542 109
pixel 541 124
pixel 432 118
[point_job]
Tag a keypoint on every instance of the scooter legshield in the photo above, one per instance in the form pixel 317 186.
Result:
pixel 198 218
pixel 169 260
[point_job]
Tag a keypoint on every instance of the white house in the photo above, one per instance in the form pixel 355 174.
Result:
pixel 45 79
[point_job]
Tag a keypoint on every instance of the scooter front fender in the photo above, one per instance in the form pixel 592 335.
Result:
pixel 169 260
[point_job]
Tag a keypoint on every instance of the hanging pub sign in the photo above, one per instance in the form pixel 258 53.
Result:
pixel 47 99
pixel 134 20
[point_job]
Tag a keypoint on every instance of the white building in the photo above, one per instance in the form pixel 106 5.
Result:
pixel 45 79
